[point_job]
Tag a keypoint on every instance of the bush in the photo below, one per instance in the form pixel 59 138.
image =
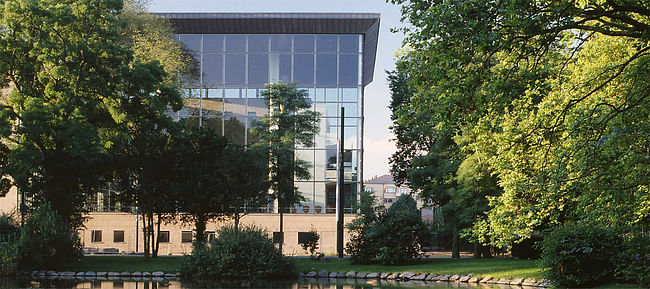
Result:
pixel 580 254
pixel 633 263
pixel 46 240
pixel 310 242
pixel 8 247
pixel 244 253
pixel 527 248
pixel 361 245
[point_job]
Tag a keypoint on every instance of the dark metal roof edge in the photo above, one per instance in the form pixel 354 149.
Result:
pixel 263 15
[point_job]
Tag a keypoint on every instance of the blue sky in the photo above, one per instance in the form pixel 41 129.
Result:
pixel 377 135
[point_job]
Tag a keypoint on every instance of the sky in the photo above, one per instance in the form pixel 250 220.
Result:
pixel 377 135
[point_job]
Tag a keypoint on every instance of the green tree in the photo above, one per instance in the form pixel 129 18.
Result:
pixel 289 123
pixel 546 105
pixel 361 246
pixel 68 75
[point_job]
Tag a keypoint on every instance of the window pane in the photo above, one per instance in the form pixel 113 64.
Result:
pixel 212 43
pixel 235 120
pixel 163 236
pixel 350 109
pixel 349 69
pixel 326 69
pixel 308 156
pixel 186 237
pixel 326 43
pixel 235 68
pixel 281 43
pixel 331 95
pixel 235 43
pixel 233 93
pixel 191 41
pixel 319 200
pixel 258 69
pixel 96 236
pixel 303 43
pixel 349 95
pixel 349 43
pixel 257 107
pixel 332 110
pixel 212 69
pixel 258 43
pixel 351 138
pixel 280 68
pixel 118 236
pixel 212 112
pixel 303 70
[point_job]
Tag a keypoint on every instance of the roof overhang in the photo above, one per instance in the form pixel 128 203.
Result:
pixel 366 24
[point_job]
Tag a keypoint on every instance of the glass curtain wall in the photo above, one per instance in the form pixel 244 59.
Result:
pixel 226 95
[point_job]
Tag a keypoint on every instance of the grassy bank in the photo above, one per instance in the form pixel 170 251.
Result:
pixel 122 263
pixel 478 267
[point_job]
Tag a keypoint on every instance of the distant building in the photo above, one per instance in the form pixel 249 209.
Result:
pixel 385 190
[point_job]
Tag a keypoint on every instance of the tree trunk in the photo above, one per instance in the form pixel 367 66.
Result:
pixel 281 228
pixel 145 235
pixel 155 252
pixel 455 250
pixel 200 225
pixel 237 216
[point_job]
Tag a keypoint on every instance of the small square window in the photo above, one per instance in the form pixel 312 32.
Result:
pixel 163 236
pixel 96 236
pixel 186 237
pixel 118 236
pixel 278 237
pixel 210 235
pixel 303 236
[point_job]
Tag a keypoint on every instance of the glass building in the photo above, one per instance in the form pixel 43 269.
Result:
pixel 331 56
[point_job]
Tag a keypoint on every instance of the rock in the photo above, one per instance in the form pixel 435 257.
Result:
pixel 517 281
pixel 323 274
pixel 52 273
pixel 529 282
pixel 454 278
pixel 91 274
pixel 351 274
pixel 80 274
pixel 301 275
pixel 136 274
pixel 128 274
pixel 505 281
pixel 311 274
pixel 545 283
pixel 361 275
pixel 406 275
pixel 158 279
pixel 443 278
pixel 393 276
pixel 486 279
pixel 373 275
pixel 67 273
pixel 341 275
pixel 113 274
pixel 431 277
pixel 170 275
pixel 464 279
pixel 384 275
pixel 473 280
pixel 419 277
pixel 157 274
pixel 102 274
pixel 146 274
pixel 333 274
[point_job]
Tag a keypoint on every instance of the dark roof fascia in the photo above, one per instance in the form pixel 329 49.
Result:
pixel 366 24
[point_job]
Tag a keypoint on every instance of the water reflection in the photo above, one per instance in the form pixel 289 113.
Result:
pixel 154 283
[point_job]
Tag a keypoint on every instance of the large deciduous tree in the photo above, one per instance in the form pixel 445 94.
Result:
pixel 542 105
pixel 69 77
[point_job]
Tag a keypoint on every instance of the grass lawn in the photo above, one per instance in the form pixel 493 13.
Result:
pixel 122 263
pixel 478 267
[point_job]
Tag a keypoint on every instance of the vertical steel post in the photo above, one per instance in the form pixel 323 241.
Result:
pixel 340 195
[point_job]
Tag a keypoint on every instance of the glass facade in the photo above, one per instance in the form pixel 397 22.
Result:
pixel 233 70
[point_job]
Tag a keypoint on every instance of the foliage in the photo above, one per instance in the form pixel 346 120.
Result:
pixel 395 237
pixel 239 253
pixel 401 233
pixel 8 245
pixel 310 242
pixel 46 240
pixel 633 263
pixel 73 87
pixel 521 116
pixel 580 254
pixel 361 245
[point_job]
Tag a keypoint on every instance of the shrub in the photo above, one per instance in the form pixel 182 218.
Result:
pixel 401 232
pixel 361 245
pixel 8 247
pixel 310 242
pixel 633 263
pixel 46 240
pixel 580 254
pixel 527 248
pixel 244 253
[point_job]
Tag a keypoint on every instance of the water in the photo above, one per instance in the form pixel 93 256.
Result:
pixel 130 283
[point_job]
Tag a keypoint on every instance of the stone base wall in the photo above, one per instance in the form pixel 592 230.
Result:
pixel 108 223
